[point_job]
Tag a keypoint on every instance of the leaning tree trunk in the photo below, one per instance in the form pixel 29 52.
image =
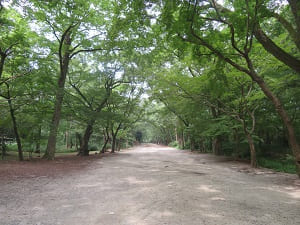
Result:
pixel 276 51
pixel 64 66
pixel 282 113
pixel 15 127
pixel 104 145
pixel 106 139
pixel 114 138
pixel 261 83
pixel 84 148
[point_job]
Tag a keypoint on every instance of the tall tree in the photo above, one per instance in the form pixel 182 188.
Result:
pixel 201 23
pixel 15 38
pixel 94 92
pixel 78 27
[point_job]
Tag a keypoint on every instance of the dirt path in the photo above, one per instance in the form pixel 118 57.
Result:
pixel 152 185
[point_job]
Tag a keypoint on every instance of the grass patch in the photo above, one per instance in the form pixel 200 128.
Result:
pixel 279 165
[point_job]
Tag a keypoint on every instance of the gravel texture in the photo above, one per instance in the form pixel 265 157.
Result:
pixel 146 185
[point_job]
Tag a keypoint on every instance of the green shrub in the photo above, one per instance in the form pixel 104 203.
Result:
pixel 12 147
pixel 173 144
pixel 93 148
pixel 286 165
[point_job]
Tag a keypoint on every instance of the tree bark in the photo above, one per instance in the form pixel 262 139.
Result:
pixel 114 137
pixel 180 139
pixel 118 145
pixel 252 151
pixel 3 147
pixel 2 60
pixel 38 140
pixel 84 148
pixel 104 145
pixel 113 144
pixel 282 113
pixel 64 66
pixel 237 143
pixel 78 140
pixel 217 145
pixel 250 71
pixel 67 139
pixel 192 144
pixel 295 8
pixel 276 51
pixel 270 95
pixel 15 127
pixel 106 139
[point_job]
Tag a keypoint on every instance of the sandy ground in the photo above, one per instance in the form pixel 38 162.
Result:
pixel 147 185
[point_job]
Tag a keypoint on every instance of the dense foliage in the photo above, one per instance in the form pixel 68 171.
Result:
pixel 212 76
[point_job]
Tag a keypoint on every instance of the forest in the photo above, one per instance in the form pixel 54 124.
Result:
pixel 211 76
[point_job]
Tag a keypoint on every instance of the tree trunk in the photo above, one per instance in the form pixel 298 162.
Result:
pixel 104 145
pixel 84 148
pixel 3 147
pixel 192 143
pixel 106 139
pixel 118 145
pixel 276 51
pixel 12 114
pixel 64 66
pixel 38 140
pixel 78 140
pixel 237 143
pixel 252 151
pixel 113 144
pixel 2 60
pixel 276 102
pixel 67 139
pixel 50 150
pixel 180 139
pixel 267 140
pixel 114 138
pixel 282 113
pixel 217 145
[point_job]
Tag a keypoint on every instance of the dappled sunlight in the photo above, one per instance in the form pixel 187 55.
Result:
pixel 151 148
pixel 290 191
pixel 134 180
pixel 218 199
pixel 165 213
pixel 212 215
pixel 171 171
pixel 89 185
pixel 135 220
pixel 208 189
pixel 294 194
pixel 153 170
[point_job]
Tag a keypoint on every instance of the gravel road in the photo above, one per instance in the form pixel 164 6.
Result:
pixel 153 185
